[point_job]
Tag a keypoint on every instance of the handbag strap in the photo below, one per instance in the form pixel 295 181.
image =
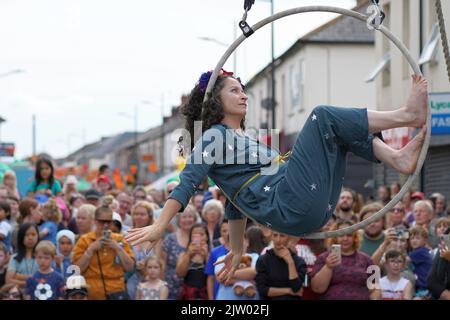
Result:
pixel 101 274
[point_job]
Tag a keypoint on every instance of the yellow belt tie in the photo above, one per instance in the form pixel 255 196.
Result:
pixel 278 159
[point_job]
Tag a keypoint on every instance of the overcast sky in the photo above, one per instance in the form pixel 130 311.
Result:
pixel 87 61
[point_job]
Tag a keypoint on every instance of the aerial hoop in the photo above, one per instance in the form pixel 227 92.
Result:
pixel 412 63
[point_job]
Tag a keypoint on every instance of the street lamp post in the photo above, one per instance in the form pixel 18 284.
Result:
pixel 69 141
pixel 272 68
pixel 135 118
pixel 272 71
pixel 223 44
pixel 129 116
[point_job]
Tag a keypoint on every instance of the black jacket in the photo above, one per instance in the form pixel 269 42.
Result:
pixel 439 276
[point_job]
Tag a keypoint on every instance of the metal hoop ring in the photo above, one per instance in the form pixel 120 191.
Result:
pixel 412 63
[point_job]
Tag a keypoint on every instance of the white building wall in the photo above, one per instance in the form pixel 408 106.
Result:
pixel 255 114
pixel 404 21
pixel 437 72
pixel 333 74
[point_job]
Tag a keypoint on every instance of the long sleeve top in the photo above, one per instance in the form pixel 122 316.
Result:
pixel 228 158
pixel 422 261
pixel 439 277
pixel 273 271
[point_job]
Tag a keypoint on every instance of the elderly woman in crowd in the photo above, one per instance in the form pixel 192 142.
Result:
pixel 85 219
pixel 212 214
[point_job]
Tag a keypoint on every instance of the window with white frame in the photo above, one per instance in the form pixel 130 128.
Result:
pixel 430 50
pixel 380 67
pixel 297 84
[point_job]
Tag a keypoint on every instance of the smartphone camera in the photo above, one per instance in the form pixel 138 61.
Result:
pixel 401 233
pixel 336 249
pixel 106 234
pixel 196 239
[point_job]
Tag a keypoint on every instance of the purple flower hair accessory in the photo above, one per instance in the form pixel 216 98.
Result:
pixel 203 81
pixel 204 78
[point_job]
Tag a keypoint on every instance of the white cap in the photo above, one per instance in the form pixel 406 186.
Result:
pixel 76 282
pixel 71 180
pixel 117 217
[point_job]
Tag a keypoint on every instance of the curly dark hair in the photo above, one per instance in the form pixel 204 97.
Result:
pixel 210 113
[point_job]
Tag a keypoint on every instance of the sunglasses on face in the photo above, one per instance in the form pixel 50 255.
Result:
pixel 397 210
pixel 104 221
pixel 13 295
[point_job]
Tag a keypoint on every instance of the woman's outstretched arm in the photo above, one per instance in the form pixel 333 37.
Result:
pixel 171 208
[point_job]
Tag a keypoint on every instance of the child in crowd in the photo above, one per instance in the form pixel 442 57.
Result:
pixel 10 182
pixel 76 288
pixel 10 291
pixel 399 239
pixel 46 283
pixel 421 259
pixel 44 182
pixel 13 202
pixel 393 286
pixel 5 227
pixel 22 265
pixel 51 215
pixel 153 288
pixel 65 240
pixel 223 227
pixel 220 250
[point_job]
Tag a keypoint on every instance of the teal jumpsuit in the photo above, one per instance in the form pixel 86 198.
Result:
pixel 297 197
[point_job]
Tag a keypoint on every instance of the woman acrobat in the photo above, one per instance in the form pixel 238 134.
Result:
pixel 313 174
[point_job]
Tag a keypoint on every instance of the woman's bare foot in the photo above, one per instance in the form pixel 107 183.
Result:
pixel 407 157
pixel 417 104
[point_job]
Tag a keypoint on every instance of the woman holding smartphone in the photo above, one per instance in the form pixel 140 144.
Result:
pixel 191 265
pixel 341 272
